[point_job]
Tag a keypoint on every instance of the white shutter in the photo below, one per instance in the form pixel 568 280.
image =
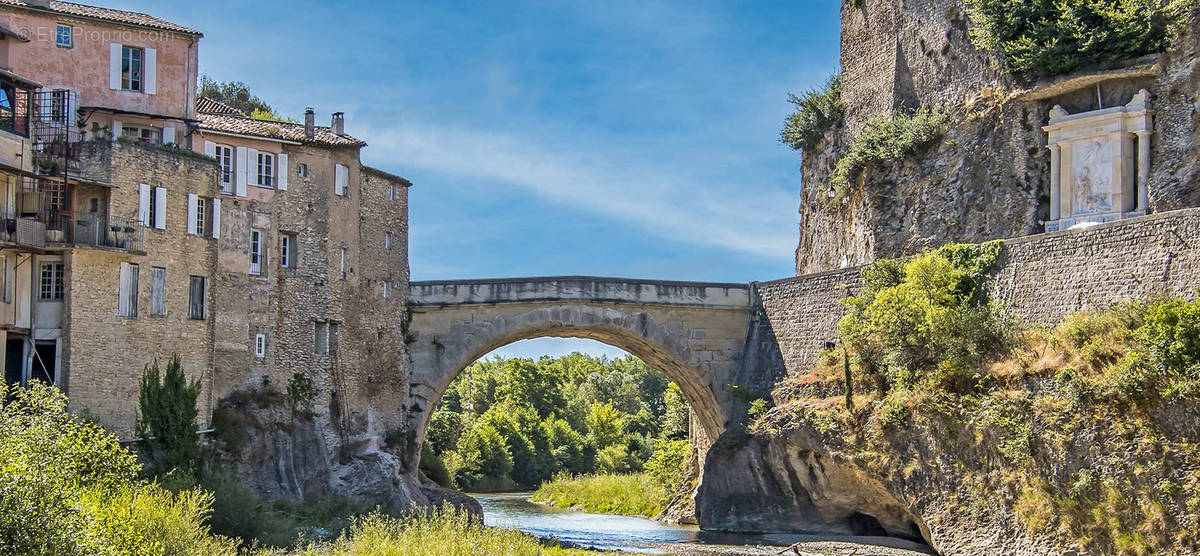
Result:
pixel 168 135
pixel 150 72
pixel 160 208
pixel 216 218
pixel 241 174
pixel 210 149
pixel 116 129
pixel 251 166
pixel 281 171
pixel 144 204
pixel 114 65
pixel 193 202
pixel 341 178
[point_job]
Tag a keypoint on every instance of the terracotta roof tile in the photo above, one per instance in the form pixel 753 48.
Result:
pixel 286 131
pixel 205 105
pixel 106 14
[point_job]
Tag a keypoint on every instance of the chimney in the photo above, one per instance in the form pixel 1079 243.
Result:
pixel 309 123
pixel 43 4
pixel 338 125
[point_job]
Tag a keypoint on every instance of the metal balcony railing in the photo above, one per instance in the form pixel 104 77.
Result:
pixel 28 232
pixel 91 231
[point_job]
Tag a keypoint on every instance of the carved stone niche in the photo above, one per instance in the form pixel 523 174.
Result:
pixel 1099 163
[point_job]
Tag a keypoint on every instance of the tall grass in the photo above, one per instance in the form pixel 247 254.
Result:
pixel 445 533
pixel 634 494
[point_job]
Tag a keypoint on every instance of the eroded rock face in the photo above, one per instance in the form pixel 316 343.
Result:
pixel 790 485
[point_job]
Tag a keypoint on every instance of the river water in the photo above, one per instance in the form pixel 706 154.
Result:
pixel 513 510
pixel 597 531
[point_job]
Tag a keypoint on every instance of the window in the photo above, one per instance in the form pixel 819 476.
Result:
pixel 201 210
pixel 127 291
pixel 52 281
pixel 152 216
pixel 321 338
pixel 256 252
pixel 391 193
pixel 341 178
pixel 302 170
pixel 197 289
pixel 287 250
pixel 260 345
pixel 94 206
pixel 224 156
pixel 6 287
pixel 60 102
pixel 343 262
pixel 266 170
pixel 62 36
pixel 158 291
pixel 386 293
pixel 150 135
pixel 131 68
pixel 387 241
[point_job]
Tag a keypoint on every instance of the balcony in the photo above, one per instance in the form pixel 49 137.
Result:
pixel 96 233
pixel 24 232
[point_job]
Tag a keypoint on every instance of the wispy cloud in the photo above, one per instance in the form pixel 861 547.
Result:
pixel 668 201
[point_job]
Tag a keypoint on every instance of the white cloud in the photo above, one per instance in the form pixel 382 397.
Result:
pixel 668 201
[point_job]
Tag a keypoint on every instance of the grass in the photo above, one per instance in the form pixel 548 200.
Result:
pixel 632 494
pixel 1081 431
pixel 444 533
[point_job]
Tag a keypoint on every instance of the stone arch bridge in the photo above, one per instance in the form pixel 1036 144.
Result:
pixel 694 332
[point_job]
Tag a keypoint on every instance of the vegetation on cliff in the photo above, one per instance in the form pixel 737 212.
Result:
pixel 887 141
pixel 817 111
pixel 1053 37
pixel 508 422
pixel 1084 433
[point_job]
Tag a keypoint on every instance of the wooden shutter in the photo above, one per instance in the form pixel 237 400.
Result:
pixel 210 149
pixel 158 291
pixel 341 178
pixel 114 65
pixel 127 290
pixel 216 218
pixel 168 135
pixel 281 171
pixel 252 166
pixel 241 173
pixel 150 71
pixel 144 204
pixel 196 297
pixel 160 208
pixel 193 202
pixel 115 128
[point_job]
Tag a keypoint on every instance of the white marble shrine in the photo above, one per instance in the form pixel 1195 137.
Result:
pixel 1099 163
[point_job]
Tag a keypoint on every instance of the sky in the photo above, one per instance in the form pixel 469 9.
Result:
pixel 632 139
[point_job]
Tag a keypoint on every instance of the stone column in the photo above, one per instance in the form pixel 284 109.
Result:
pixel 1143 171
pixel 1055 180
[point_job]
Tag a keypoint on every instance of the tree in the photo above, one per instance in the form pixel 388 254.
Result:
pixel 168 423
pixel 533 384
pixel 666 465
pixel 676 416
pixel 445 427
pixel 605 426
pixel 566 446
pixel 482 453
pixel 237 95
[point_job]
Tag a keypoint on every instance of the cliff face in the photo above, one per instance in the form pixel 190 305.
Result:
pixel 988 176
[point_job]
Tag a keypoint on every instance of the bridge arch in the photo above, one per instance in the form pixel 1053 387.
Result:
pixel 692 332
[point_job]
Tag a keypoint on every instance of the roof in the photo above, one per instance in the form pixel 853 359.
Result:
pixel 386 175
pixel 6 32
pixel 105 14
pixel 205 105
pixel 267 129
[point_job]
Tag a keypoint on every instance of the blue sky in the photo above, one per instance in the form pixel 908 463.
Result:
pixel 635 139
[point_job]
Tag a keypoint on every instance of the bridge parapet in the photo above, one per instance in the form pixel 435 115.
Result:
pixel 584 289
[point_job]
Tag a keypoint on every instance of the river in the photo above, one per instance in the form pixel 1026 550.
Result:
pixel 634 534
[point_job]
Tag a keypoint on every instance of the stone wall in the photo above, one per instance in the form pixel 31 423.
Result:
pixel 103 353
pixel 988 176
pixel 1042 277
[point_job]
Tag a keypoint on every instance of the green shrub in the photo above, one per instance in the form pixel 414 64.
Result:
pixel 1052 37
pixel 888 140
pixel 67 487
pixel 615 459
pixel 632 494
pixel 665 466
pixel 168 422
pixel 927 319
pixel 1170 337
pixel 817 111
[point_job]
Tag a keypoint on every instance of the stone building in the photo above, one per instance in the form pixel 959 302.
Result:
pixel 143 223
